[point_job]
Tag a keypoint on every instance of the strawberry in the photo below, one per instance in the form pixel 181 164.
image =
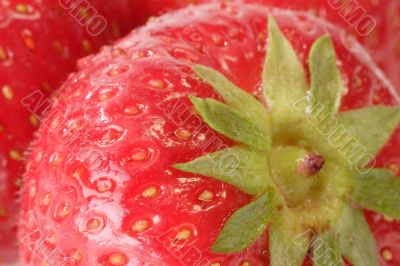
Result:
pixel 374 23
pixel 150 155
pixel 39 45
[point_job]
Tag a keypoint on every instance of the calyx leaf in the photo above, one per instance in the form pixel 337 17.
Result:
pixel 372 126
pixel 247 224
pixel 231 123
pixel 287 243
pixel 284 78
pixel 242 167
pixel 379 190
pixel 235 97
pixel 325 250
pixel 326 82
pixel 355 239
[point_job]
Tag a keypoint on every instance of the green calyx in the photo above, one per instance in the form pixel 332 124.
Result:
pixel 304 163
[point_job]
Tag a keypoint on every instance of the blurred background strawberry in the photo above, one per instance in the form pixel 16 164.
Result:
pixel 40 42
pixel 375 23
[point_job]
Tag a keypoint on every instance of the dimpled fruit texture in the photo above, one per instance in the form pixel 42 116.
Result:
pixel 40 42
pixel 100 189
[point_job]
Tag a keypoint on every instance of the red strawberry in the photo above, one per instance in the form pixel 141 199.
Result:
pixel 40 42
pixel 102 185
pixel 374 23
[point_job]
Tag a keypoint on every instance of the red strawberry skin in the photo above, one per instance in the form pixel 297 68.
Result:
pixel 100 189
pixel 382 41
pixel 40 43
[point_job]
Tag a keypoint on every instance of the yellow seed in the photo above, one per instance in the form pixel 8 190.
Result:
pixel 21 8
pixel 18 182
pixel 157 84
pixel 140 225
pixel 151 19
pixel 1 128
pixel 245 263
pixel 149 192
pixel 215 264
pixel 117 259
pixel 206 196
pixel 387 255
pixel 77 256
pixel 134 110
pixel 87 46
pixel 140 155
pixel 28 40
pixel 34 120
pixel 84 12
pixel 376 98
pixel 45 200
pixel 3 54
pixel 52 239
pixel 64 211
pixel 7 92
pixel 394 167
pixel 3 212
pixel 32 191
pixel 183 235
pixel 15 155
pixel 183 133
pixel 93 224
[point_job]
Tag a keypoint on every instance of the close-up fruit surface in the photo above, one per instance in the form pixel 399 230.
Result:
pixel 40 42
pixel 102 185
pixel 374 23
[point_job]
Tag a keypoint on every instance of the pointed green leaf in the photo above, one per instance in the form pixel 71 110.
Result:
pixel 247 224
pixel 372 126
pixel 356 241
pixel 325 250
pixel 288 244
pixel 379 190
pixel 235 97
pixel 284 78
pixel 244 168
pixel 326 83
pixel 231 124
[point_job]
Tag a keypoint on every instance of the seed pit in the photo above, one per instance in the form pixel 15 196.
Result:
pixel 387 254
pixel 150 192
pixel 141 225
pixel 117 259
pixel 182 237
pixel 183 134
pixel 104 184
pixel 118 71
pixel 45 200
pixel 7 92
pixel 206 195
pixel 77 256
pixel 140 155
pixel 15 155
pixel 157 84
pixel 112 134
pixel 133 110
pixel 63 210
pixel 94 225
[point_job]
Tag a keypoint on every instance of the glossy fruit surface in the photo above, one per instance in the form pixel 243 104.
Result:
pixel 100 187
